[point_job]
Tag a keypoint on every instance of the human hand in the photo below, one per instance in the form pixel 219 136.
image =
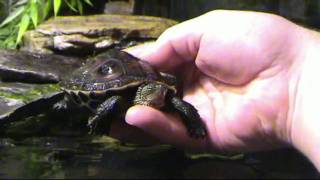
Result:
pixel 242 71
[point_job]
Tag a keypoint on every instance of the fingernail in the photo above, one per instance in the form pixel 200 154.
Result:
pixel 142 51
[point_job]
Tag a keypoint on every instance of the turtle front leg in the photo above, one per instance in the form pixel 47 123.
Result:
pixel 152 94
pixel 156 95
pixel 190 118
pixel 98 123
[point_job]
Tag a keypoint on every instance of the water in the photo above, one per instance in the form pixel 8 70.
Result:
pixel 103 157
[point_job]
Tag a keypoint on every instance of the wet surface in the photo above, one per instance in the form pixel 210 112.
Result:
pixel 103 157
pixel 19 66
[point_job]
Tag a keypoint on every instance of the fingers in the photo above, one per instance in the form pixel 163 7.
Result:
pixel 178 44
pixel 230 46
pixel 166 128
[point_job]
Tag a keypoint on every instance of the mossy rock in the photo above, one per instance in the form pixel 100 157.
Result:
pixel 78 35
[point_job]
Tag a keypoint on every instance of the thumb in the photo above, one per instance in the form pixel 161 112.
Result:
pixel 165 127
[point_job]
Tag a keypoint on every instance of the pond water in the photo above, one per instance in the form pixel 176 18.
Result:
pixel 103 157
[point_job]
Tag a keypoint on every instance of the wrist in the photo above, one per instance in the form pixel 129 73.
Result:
pixel 304 111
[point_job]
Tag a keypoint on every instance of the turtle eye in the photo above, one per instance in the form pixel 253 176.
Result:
pixel 107 69
pixel 110 70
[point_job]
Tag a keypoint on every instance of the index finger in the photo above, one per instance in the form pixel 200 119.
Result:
pixel 177 45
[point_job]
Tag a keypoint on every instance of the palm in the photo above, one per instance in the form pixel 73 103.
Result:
pixel 240 116
pixel 236 73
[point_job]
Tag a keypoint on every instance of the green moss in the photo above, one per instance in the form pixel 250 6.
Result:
pixel 107 142
pixel 215 156
pixel 32 93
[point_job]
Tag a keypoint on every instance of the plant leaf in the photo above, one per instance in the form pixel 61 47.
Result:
pixel 34 13
pixel 23 26
pixel 71 5
pixel 88 2
pixel 56 6
pixel 45 9
pixel 80 7
pixel 13 15
pixel 20 3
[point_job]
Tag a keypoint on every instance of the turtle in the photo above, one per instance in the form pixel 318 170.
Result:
pixel 111 82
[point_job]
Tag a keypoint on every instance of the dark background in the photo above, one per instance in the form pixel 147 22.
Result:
pixel 305 12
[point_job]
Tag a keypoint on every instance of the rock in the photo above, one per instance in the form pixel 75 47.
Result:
pixel 17 99
pixel 9 104
pixel 27 88
pixel 16 95
pixel 18 66
pixel 87 34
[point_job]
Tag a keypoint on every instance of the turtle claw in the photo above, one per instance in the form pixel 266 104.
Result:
pixel 197 131
pixel 190 117
pixel 99 123
pixel 96 127
pixel 92 126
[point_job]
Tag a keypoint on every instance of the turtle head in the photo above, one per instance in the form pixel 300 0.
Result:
pixel 113 69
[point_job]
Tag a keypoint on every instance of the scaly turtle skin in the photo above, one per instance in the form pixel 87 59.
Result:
pixel 113 81
pixel 106 86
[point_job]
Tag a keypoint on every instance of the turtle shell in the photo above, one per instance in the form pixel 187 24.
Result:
pixel 112 70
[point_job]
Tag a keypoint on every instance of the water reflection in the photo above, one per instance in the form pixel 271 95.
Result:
pixel 103 157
